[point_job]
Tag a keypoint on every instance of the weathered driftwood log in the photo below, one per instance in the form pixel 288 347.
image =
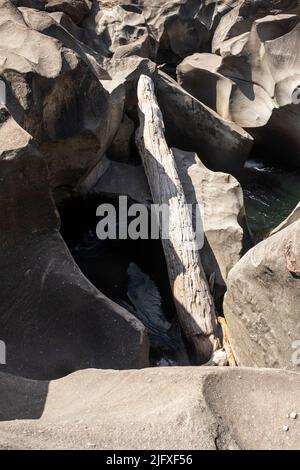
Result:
pixel 191 292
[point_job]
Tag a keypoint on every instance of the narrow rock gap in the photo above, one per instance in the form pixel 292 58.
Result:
pixel 132 273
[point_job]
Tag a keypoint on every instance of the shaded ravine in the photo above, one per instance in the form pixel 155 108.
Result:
pixel 132 273
pixel 270 194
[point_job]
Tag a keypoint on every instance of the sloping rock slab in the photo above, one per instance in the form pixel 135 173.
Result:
pixel 165 408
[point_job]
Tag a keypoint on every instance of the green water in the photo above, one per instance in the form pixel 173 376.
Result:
pixel 270 194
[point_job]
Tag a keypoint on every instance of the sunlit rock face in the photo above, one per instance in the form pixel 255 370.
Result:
pixel 253 77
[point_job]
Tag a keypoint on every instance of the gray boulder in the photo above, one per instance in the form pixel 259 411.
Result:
pixel 59 26
pixel 253 83
pixel 220 198
pixel 192 126
pixel 75 9
pixel 232 98
pixel 56 95
pixel 121 179
pixel 127 71
pixel 238 19
pixel 262 302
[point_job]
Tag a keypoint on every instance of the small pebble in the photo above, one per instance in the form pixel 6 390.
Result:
pixel 285 428
pixel 293 415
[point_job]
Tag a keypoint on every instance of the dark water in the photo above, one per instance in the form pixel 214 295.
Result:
pixel 270 194
pixel 105 262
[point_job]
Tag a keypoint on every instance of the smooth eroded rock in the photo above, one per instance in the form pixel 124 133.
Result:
pixel 192 126
pixel 163 408
pixel 262 302
pixel 54 93
pixel 52 319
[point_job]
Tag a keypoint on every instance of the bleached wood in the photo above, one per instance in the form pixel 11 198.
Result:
pixel 191 292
